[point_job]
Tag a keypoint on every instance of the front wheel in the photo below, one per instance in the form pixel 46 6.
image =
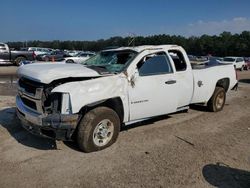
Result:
pixel 217 101
pixel 98 129
pixel 242 68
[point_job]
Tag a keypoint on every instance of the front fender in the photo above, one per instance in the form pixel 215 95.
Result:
pixel 87 92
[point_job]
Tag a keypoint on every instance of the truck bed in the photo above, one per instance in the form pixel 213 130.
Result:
pixel 205 78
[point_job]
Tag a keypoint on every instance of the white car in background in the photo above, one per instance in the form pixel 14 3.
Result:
pixel 79 58
pixel 73 53
pixel 238 62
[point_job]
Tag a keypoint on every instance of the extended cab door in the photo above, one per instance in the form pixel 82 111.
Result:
pixel 4 52
pixel 154 87
pixel 184 75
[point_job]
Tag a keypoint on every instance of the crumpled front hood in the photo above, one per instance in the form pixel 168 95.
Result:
pixel 48 72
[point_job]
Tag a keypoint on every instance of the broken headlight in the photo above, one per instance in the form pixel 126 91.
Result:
pixel 66 107
pixel 58 103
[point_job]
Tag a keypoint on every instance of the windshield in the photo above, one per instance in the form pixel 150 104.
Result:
pixel 230 59
pixel 112 61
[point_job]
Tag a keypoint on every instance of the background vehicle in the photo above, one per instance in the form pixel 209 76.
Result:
pixel 80 57
pixel 212 61
pixel 220 59
pixel 247 63
pixel 238 62
pixel 192 58
pixel 39 51
pixel 73 52
pixel 114 88
pixel 52 56
pixel 7 55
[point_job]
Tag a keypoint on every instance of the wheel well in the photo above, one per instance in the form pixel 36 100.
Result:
pixel 224 83
pixel 113 103
pixel 20 56
pixel 70 60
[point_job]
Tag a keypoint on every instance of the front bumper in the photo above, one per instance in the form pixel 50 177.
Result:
pixel 55 126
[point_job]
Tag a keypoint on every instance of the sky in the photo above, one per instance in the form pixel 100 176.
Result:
pixel 101 19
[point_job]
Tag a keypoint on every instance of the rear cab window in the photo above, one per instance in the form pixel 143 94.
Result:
pixel 178 59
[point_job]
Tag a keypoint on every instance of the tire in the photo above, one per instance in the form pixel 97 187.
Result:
pixel 18 60
pixel 217 101
pixel 242 68
pixel 98 129
pixel 70 61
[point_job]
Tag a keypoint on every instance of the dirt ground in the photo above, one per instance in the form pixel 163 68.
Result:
pixel 194 149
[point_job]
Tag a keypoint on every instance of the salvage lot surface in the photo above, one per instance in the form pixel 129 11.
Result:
pixel 194 149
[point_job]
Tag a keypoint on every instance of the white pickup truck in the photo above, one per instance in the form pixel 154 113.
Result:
pixel 89 103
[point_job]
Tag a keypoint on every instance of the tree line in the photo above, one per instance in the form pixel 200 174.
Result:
pixel 221 45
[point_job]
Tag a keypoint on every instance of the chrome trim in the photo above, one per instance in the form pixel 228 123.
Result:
pixel 38 103
pixel 29 115
pixel 38 94
pixel 37 98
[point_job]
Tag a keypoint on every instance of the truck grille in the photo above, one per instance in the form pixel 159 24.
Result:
pixel 27 87
pixel 30 86
pixel 29 103
pixel 30 93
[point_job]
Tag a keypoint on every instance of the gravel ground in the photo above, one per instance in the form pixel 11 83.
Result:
pixel 194 149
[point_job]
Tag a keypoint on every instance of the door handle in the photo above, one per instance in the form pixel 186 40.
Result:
pixel 170 82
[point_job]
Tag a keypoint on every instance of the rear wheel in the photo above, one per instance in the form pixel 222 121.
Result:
pixel 18 60
pixel 98 129
pixel 242 68
pixel 217 101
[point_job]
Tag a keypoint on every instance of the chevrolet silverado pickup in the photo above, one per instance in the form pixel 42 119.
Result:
pixel 15 57
pixel 90 102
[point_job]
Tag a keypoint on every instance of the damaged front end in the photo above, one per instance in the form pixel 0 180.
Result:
pixel 45 113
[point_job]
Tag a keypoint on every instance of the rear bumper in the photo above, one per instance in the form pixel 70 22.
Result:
pixel 55 126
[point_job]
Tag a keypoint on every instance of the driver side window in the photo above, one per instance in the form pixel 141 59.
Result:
pixel 154 64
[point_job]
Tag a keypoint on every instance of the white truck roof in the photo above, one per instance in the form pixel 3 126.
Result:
pixel 145 47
